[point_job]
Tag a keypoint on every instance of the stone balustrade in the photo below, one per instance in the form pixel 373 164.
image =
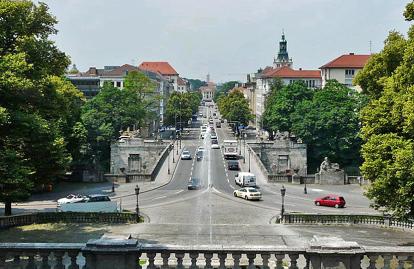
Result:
pixel 320 252
pixel 381 220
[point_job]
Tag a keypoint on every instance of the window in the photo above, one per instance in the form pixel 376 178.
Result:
pixel 118 84
pixel 349 72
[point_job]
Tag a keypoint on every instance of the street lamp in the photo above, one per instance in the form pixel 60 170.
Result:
pixel 244 150
pixel 249 160
pixel 180 125
pixel 305 190
pixel 283 193
pixel 137 208
pixel 169 153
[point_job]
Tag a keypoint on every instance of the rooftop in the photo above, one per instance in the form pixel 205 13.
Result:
pixel 164 68
pixel 350 60
pixel 287 72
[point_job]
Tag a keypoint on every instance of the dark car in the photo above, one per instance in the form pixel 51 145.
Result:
pixel 214 141
pixel 218 124
pixel 233 165
pixel 199 155
pixel 194 183
pixel 97 198
pixel 331 200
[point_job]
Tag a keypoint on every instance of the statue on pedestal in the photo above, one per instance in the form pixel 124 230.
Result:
pixel 330 173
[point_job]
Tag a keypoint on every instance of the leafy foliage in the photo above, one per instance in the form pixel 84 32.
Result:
pixel 37 108
pixel 196 83
pixel 234 107
pixel 181 106
pixel 388 124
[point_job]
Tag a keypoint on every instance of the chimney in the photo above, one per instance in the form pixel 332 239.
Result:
pixel 351 53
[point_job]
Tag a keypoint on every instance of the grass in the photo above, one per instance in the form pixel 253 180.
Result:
pixel 54 233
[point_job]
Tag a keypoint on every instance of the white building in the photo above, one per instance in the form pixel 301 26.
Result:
pixel 182 85
pixel 163 68
pixel 344 69
pixel 208 91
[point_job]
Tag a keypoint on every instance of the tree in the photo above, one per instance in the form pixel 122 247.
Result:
pixel 196 83
pixel 179 108
pixel 329 125
pixel 224 89
pixel 234 107
pixel 388 124
pixel 281 103
pixel 38 109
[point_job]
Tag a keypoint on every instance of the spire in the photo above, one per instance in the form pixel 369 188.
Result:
pixel 282 56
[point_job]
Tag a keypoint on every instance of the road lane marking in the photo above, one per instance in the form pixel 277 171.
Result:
pixel 179 192
pixel 161 197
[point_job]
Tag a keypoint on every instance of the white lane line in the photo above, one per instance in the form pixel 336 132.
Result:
pixel 161 197
pixel 179 192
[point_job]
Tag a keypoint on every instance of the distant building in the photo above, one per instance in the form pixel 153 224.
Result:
pixel 183 85
pixel 208 91
pixel 344 69
pixel 165 69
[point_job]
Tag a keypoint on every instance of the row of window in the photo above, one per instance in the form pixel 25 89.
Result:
pixel 349 72
pixel 309 83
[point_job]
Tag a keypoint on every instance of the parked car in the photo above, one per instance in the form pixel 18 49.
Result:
pixel 331 200
pixel 194 183
pixel 248 194
pixel 71 198
pixel 233 165
pixel 186 155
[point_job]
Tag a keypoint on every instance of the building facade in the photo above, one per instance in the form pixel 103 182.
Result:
pixel 164 69
pixel 344 69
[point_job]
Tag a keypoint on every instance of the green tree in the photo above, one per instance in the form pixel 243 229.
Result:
pixel 388 124
pixel 281 103
pixel 224 89
pixel 196 83
pixel 234 107
pixel 329 125
pixel 35 102
pixel 179 107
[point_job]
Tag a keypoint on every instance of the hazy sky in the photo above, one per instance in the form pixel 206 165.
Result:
pixel 226 38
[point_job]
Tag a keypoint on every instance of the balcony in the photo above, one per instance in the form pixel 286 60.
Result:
pixel 321 252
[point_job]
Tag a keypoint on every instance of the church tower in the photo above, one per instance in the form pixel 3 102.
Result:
pixel 283 56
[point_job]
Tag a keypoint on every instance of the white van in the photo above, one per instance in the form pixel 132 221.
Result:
pixel 245 179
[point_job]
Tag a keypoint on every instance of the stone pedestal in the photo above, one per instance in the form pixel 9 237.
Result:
pixel 295 179
pixel 332 177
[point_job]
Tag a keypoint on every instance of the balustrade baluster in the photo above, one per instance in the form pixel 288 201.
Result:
pixel 401 261
pixel 31 261
pixel 45 261
pixel 251 257
pixel 236 260
pixel 151 260
pixel 180 257
pixel 165 256
pixel 387 261
pixel 193 257
pixel 59 260
pixel 279 260
pixel 73 256
pixel 372 261
pixel 265 260
pixel 208 257
pixel 222 257
pixel 293 261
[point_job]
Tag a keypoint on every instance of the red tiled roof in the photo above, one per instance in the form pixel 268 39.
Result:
pixel 164 68
pixel 120 71
pixel 287 72
pixel 348 61
pixel 181 81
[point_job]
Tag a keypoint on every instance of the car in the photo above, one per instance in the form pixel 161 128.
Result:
pixel 233 165
pixel 330 200
pixel 194 183
pixel 200 114
pixel 71 198
pixel 248 194
pixel 199 155
pixel 211 121
pixel 186 155
pixel 218 124
pixel 222 120
pixel 213 136
pixel 215 146
pixel 201 148
pixel 97 198
pixel 214 141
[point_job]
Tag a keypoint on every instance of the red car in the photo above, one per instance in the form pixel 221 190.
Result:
pixel 331 200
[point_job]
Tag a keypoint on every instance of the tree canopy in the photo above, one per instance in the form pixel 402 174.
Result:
pixel 388 123
pixel 234 107
pixel 38 109
pixel 181 106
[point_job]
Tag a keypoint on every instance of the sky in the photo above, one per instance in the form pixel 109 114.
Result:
pixel 226 38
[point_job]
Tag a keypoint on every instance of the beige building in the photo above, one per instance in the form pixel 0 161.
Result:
pixel 344 69
pixel 208 91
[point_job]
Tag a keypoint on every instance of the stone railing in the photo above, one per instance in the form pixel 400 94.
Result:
pixel 320 252
pixel 68 217
pixel 296 218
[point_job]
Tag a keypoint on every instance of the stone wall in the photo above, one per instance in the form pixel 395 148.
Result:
pixel 282 157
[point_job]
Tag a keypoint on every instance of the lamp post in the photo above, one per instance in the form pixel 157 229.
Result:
pixel 169 153
pixel 283 193
pixel 180 125
pixel 244 141
pixel 137 208
pixel 249 160
pixel 305 190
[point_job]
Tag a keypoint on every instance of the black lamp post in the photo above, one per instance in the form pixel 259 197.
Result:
pixel 169 153
pixel 283 193
pixel 305 190
pixel 244 142
pixel 180 125
pixel 249 160
pixel 137 209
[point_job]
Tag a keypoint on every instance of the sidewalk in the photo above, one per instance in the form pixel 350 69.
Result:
pixel 47 201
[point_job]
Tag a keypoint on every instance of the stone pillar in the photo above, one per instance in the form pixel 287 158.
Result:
pixel 330 252
pixel 111 253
